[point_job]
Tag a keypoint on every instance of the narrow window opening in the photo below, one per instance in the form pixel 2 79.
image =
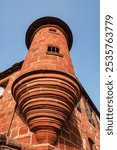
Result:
pixel 53 49
pixel 89 113
pixel 52 30
pixel 57 50
pixel 78 107
pixel 91 143
pixel 49 48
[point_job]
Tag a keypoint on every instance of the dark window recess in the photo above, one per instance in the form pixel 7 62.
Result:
pixel 78 107
pixel 53 49
pixel 91 143
pixel 89 113
pixel 52 30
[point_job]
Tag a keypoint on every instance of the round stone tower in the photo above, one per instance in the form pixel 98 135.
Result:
pixel 46 90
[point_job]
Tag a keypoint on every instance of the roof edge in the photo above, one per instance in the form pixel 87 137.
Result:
pixel 10 70
pixel 45 21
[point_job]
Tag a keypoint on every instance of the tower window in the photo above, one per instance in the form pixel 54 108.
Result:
pixel 91 143
pixel 53 49
pixel 52 30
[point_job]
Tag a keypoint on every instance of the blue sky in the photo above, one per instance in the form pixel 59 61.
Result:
pixel 82 16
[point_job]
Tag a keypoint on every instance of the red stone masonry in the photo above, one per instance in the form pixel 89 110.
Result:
pixel 38 107
pixel 46 90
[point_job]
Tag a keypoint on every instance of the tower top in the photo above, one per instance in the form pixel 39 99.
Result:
pixel 51 21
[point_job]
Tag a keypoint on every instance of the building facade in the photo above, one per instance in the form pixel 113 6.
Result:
pixel 43 106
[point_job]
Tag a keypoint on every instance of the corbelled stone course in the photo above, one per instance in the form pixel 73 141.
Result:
pixel 46 99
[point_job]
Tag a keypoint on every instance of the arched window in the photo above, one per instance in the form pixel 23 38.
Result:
pixel 52 30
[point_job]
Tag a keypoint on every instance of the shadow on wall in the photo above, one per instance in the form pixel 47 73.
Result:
pixel 70 136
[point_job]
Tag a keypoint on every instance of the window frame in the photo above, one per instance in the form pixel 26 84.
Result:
pixel 53 49
pixel 50 50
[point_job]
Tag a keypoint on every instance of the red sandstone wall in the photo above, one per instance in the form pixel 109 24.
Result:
pixel 76 132
pixel 39 59
pixel 74 135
